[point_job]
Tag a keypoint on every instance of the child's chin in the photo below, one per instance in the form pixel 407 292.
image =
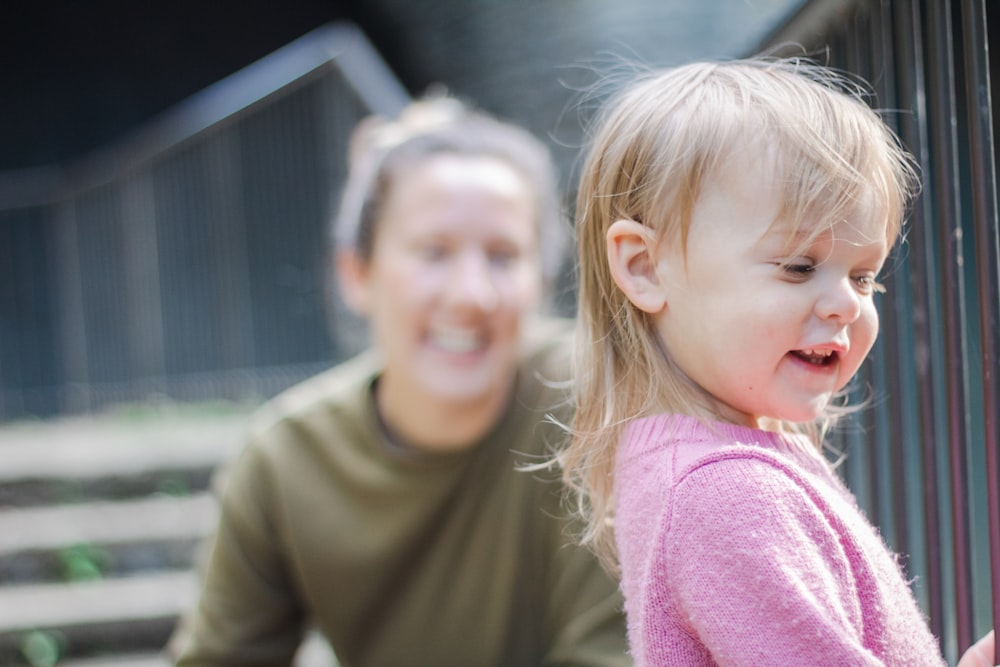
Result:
pixel 804 415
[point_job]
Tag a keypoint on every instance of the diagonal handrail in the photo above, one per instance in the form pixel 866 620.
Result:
pixel 340 45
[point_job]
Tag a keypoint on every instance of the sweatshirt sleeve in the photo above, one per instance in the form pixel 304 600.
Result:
pixel 247 613
pixel 758 573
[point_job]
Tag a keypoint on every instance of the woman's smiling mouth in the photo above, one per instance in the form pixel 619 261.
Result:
pixel 458 341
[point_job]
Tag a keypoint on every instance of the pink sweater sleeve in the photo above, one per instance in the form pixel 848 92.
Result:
pixel 760 574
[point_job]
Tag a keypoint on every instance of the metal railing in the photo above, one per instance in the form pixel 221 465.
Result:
pixel 188 260
pixel 924 459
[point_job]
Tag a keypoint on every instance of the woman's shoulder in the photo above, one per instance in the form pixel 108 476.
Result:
pixel 337 392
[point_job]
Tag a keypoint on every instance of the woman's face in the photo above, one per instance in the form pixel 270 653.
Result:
pixel 454 272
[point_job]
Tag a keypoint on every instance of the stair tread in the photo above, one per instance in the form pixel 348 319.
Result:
pixel 147 597
pixel 107 522
pixel 75 450
pixel 129 660
pixel 314 652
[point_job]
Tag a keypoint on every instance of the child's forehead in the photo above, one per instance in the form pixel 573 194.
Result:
pixel 751 183
pixel 862 231
pixel 805 201
pixel 749 169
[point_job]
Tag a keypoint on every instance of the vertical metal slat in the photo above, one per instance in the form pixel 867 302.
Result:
pixel 946 193
pixel 987 233
pixel 914 131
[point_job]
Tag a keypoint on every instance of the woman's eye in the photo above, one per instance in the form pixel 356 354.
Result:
pixel 432 251
pixel 502 257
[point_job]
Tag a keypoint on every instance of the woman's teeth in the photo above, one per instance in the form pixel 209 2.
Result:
pixel 454 340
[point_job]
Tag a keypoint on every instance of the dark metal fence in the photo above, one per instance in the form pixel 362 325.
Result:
pixel 924 460
pixel 188 261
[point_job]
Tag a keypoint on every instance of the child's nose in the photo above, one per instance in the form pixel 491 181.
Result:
pixel 840 301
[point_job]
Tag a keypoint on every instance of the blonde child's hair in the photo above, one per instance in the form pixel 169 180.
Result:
pixel 666 135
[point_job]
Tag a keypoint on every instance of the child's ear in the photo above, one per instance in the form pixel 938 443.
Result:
pixel 632 260
pixel 352 279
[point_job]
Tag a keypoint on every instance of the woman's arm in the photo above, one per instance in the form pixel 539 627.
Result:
pixel 247 611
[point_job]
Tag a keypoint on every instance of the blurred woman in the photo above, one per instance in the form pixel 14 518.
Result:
pixel 385 501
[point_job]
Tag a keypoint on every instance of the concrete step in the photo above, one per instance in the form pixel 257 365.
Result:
pixel 131 660
pixel 113 623
pixel 62 542
pixel 75 448
pixel 157 518
pixel 156 595
pixel 74 460
pixel 110 616
pixel 315 652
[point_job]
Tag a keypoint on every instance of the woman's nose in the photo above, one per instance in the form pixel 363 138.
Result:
pixel 473 283
pixel 840 301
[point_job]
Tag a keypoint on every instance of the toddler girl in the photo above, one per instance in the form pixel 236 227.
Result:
pixel 732 221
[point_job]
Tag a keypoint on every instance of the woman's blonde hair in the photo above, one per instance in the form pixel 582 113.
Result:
pixel 382 151
pixel 664 136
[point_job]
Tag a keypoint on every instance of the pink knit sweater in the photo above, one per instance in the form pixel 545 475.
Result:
pixel 741 547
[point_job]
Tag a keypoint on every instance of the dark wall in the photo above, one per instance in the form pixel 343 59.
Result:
pixel 532 62
pixel 75 75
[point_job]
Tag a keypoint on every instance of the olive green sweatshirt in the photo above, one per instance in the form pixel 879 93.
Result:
pixel 399 556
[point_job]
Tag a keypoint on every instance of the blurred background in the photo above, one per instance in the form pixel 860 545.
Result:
pixel 167 172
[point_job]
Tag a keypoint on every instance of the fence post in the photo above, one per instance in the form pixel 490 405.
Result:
pixel 982 171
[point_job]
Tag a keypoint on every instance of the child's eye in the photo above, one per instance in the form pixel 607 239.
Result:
pixel 868 285
pixel 797 270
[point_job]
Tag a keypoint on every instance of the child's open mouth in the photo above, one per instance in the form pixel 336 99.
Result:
pixel 817 357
